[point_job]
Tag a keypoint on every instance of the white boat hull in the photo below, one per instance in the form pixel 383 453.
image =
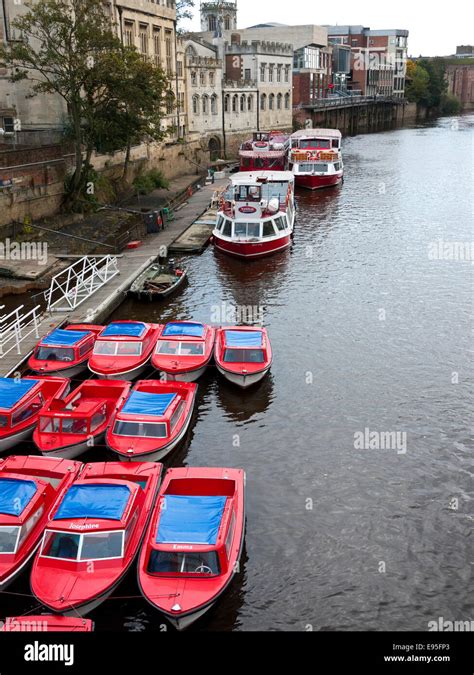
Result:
pixel 244 380
pixel 73 451
pixel 126 375
pixel 14 439
pixel 181 623
pixel 190 376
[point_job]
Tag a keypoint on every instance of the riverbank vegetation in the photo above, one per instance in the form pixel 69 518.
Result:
pixel 427 86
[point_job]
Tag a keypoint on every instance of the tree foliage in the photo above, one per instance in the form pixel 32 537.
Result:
pixel 184 10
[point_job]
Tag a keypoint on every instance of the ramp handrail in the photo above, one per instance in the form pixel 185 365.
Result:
pixel 15 327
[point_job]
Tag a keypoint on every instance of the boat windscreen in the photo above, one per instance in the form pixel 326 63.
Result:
pixel 3 421
pixel 93 500
pixel 244 356
pixel 140 429
pixel 243 338
pixel 15 495
pixel 144 403
pixel 101 545
pixel 190 519
pixel 64 338
pixel 107 348
pixel 135 329
pixel 54 354
pixel 184 329
pixel 171 562
pixel 174 348
pixel 12 391
pixel 8 538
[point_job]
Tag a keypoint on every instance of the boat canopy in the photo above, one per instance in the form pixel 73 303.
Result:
pixel 184 329
pixel 15 495
pixel 64 338
pixel 144 403
pixel 238 338
pixel 12 391
pixel 126 329
pixel 106 502
pixel 190 519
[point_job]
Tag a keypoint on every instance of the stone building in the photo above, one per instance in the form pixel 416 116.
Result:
pixel 460 79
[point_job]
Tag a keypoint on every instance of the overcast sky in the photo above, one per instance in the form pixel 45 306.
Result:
pixel 435 29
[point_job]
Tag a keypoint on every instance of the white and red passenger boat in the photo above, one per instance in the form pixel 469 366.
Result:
pixel 20 405
pixel 315 158
pixel 194 542
pixel 265 152
pixel 65 351
pixel 93 534
pixel 29 487
pixel 123 349
pixel 243 354
pixel 152 420
pixel 256 215
pixel 184 350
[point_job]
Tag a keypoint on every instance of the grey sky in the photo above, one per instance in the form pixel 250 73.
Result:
pixel 435 28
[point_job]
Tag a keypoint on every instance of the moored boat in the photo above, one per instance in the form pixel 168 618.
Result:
pixel 29 487
pixel 152 421
pixel 265 152
pixel 184 350
pixel 68 427
pixel 20 403
pixel 158 281
pixel 243 354
pixel 315 158
pixel 256 215
pixel 46 623
pixel 123 349
pixel 65 351
pixel 194 542
pixel 93 535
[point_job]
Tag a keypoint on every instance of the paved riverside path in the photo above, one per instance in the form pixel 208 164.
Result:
pixel 131 263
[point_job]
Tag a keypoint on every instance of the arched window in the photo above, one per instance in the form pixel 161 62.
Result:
pixel 205 104
pixel 271 102
pixel 195 105
pixel 235 103
pixel 211 22
pixel 242 103
pixel 214 104
pixel 250 103
pixel 227 22
pixel 190 53
pixel 279 101
pixel 227 103
pixel 193 78
pixel 287 101
pixel 202 78
pixel 263 102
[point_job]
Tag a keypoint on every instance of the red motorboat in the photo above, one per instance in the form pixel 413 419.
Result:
pixel 123 349
pixel 316 159
pixel 21 402
pixel 29 487
pixel 152 421
pixel 65 351
pixel 67 427
pixel 265 152
pixel 93 535
pixel 243 354
pixel 184 350
pixel 194 542
pixel 46 623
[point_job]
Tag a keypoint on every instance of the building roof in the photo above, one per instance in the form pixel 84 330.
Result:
pixel 311 133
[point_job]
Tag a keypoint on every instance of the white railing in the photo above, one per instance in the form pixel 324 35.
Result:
pixel 15 327
pixel 77 283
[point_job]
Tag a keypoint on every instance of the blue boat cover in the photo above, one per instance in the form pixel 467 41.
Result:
pixel 135 329
pixel 186 329
pixel 64 338
pixel 15 495
pixel 243 338
pixel 142 403
pixel 190 520
pixel 94 501
pixel 12 391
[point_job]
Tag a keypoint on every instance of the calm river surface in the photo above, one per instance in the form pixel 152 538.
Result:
pixel 369 331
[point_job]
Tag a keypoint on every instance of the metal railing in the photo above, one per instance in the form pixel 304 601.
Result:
pixel 347 101
pixel 71 287
pixel 15 327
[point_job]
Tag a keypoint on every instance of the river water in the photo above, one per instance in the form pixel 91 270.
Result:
pixel 370 321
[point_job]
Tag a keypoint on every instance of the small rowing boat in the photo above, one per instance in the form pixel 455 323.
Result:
pixel 158 282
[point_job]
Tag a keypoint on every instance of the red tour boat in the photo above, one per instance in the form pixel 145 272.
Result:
pixel 243 354
pixel 29 486
pixel 46 623
pixel 123 349
pixel 315 158
pixel 65 351
pixel 184 350
pixel 152 421
pixel 20 404
pixel 256 215
pixel 67 427
pixel 265 151
pixel 93 535
pixel 194 542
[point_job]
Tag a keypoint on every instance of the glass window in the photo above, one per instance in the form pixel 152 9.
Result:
pixel 314 143
pixel 129 349
pixel 97 420
pixel 220 223
pixel 227 229
pixel 280 223
pixel 8 539
pixel 163 562
pixel 320 167
pixel 240 229
pixel 61 545
pixel 177 414
pixel 50 425
pixel 3 421
pixel 268 229
pixel 86 347
pixel 140 429
pixel 73 425
pixel 230 535
pixel 253 229
pixel 243 356
pixel 171 348
pixel 30 523
pixel 100 545
pixel 54 354
pixel 105 348
pixel 27 410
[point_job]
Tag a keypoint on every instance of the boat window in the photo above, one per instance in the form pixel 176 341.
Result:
pixel 335 143
pixel 60 545
pixel 247 229
pixel 8 539
pixel 50 425
pixel 311 143
pixel 227 230
pixel 320 167
pixel 141 429
pixel 173 348
pixel 253 229
pixel 30 523
pixel 100 545
pixel 230 535
pixel 220 222
pixel 129 349
pixel 247 193
pixel 105 348
pixel 275 189
pixel 170 562
pixel 240 229
pixel 336 166
pixel 74 425
pixel 280 223
pixel 3 421
pixel 177 414
pixel 268 229
pixel 97 420
pixel 28 410
pixel 133 521
pixel 305 167
pixel 86 347
pixel 54 354
pixel 243 356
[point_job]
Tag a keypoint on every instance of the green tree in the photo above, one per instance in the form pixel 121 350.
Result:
pixel 184 9
pixel 417 88
pixel 437 86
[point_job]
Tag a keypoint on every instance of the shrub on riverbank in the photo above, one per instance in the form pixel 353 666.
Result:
pixel 152 180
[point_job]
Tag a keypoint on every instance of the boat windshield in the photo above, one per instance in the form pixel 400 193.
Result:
pixel 65 425
pixel 110 348
pixel 195 562
pixel 8 539
pixel 308 167
pixel 246 229
pixel 87 546
pixel 314 143
pixel 54 354
pixel 3 421
pixel 141 429
pixel 176 348
pixel 244 356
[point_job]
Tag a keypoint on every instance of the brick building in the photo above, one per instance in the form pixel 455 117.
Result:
pixel 460 79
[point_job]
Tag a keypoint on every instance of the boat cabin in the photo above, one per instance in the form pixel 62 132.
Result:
pixel 147 414
pixel 265 151
pixel 65 345
pixel 122 338
pixel 240 346
pixel 182 339
pixel 20 401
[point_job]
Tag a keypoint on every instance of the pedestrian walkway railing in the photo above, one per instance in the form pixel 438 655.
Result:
pixel 16 327
pixel 74 285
